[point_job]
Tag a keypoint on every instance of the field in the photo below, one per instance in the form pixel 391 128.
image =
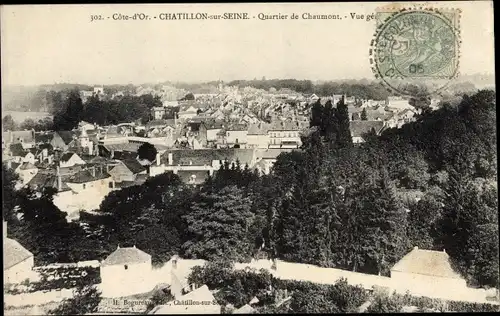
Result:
pixel 19 116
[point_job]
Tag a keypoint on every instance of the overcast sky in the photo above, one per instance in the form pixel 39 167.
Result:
pixel 55 43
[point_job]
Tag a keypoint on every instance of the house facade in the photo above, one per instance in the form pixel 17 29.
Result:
pixel 284 135
pixel 18 261
pixel 126 271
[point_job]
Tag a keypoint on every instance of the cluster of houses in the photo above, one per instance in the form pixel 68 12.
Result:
pixel 248 126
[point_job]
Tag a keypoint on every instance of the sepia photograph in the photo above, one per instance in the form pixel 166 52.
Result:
pixel 249 158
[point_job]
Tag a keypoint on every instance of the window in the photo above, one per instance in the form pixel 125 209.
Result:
pixel 84 185
pixel 110 184
pixel 126 267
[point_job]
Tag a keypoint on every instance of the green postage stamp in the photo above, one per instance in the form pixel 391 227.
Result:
pixel 416 51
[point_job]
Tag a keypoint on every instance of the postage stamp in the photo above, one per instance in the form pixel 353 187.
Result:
pixel 416 51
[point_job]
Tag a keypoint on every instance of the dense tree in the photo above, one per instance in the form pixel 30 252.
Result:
pixel 423 220
pixel 8 123
pixel 470 218
pixel 71 114
pixel 344 138
pixel 146 154
pixel 219 222
pixel 364 115
pixel 38 215
pixel 40 125
pixel 148 216
pixel 9 196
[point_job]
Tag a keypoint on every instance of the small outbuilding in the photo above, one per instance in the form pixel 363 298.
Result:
pixel 127 271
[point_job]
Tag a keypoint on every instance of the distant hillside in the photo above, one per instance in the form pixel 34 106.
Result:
pixel 480 81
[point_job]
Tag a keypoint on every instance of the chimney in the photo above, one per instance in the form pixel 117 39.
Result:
pixel 45 153
pixel 170 159
pixel 59 181
pixel 93 171
pixel 118 246
pixel 444 250
pixel 415 248
pixel 158 159
pixel 4 229
pixel 9 163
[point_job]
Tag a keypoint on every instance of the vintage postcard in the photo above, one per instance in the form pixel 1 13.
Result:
pixel 249 158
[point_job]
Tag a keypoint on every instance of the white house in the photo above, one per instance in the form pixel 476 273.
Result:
pixel 257 136
pixel 127 271
pixel 158 112
pixel 26 172
pixel 427 272
pixel 18 262
pixel 284 135
pixel 83 190
pixel 70 159
pixel 236 136
pixel 396 102
pixel 187 113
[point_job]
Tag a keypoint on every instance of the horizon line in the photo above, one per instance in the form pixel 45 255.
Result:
pixel 371 80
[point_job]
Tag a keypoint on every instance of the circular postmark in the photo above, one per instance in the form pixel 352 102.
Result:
pixel 415 52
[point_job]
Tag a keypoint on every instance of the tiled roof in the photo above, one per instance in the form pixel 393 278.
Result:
pixel 284 126
pixel 47 179
pixel 128 255
pixel 359 128
pixel 17 150
pixel 200 157
pixel 237 127
pixel 86 175
pixel 67 136
pixel 158 123
pixel 14 165
pixel 14 253
pixel 67 156
pixel 131 147
pixel 213 124
pixel 426 262
pixel 374 114
pixel 43 137
pixel 133 165
pixel 258 129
